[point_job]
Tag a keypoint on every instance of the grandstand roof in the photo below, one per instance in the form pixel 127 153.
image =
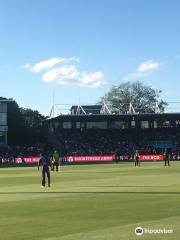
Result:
pixel 100 117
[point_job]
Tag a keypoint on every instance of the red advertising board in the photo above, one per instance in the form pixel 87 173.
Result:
pixel 27 160
pixel 109 158
pixel 31 159
pixel 90 158
pixel 151 157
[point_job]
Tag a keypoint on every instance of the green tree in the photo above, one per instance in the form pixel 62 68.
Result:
pixel 16 127
pixel 143 98
pixel 35 129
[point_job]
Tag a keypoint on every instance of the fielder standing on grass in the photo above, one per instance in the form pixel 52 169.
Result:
pixel 167 157
pixel 137 158
pixel 55 160
pixel 44 164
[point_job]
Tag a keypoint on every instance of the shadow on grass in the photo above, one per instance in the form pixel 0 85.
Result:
pixel 122 186
pixel 93 192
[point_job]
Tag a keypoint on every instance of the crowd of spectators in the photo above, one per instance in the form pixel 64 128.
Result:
pixel 119 142
pixel 94 142
pixel 8 154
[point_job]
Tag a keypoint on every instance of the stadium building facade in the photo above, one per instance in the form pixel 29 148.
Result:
pixel 116 121
pixel 3 122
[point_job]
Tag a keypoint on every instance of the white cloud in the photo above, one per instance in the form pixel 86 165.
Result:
pixel 60 71
pixel 148 66
pixel 46 64
pixel 69 75
pixel 94 79
pixel 143 70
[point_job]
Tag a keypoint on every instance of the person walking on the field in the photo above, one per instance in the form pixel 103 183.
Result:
pixel 44 164
pixel 55 161
pixel 167 157
pixel 137 158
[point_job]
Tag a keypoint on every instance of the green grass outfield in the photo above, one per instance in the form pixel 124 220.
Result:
pixel 90 202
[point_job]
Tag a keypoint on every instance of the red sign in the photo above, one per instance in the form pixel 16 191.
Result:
pixel 151 157
pixel 90 158
pixel 31 159
pixel 27 160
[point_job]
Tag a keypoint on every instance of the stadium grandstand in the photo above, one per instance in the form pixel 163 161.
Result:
pixel 93 130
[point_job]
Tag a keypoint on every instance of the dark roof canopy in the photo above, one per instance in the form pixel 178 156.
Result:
pixel 118 117
pixel 88 109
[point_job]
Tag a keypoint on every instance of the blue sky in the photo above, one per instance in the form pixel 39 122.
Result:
pixel 78 49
